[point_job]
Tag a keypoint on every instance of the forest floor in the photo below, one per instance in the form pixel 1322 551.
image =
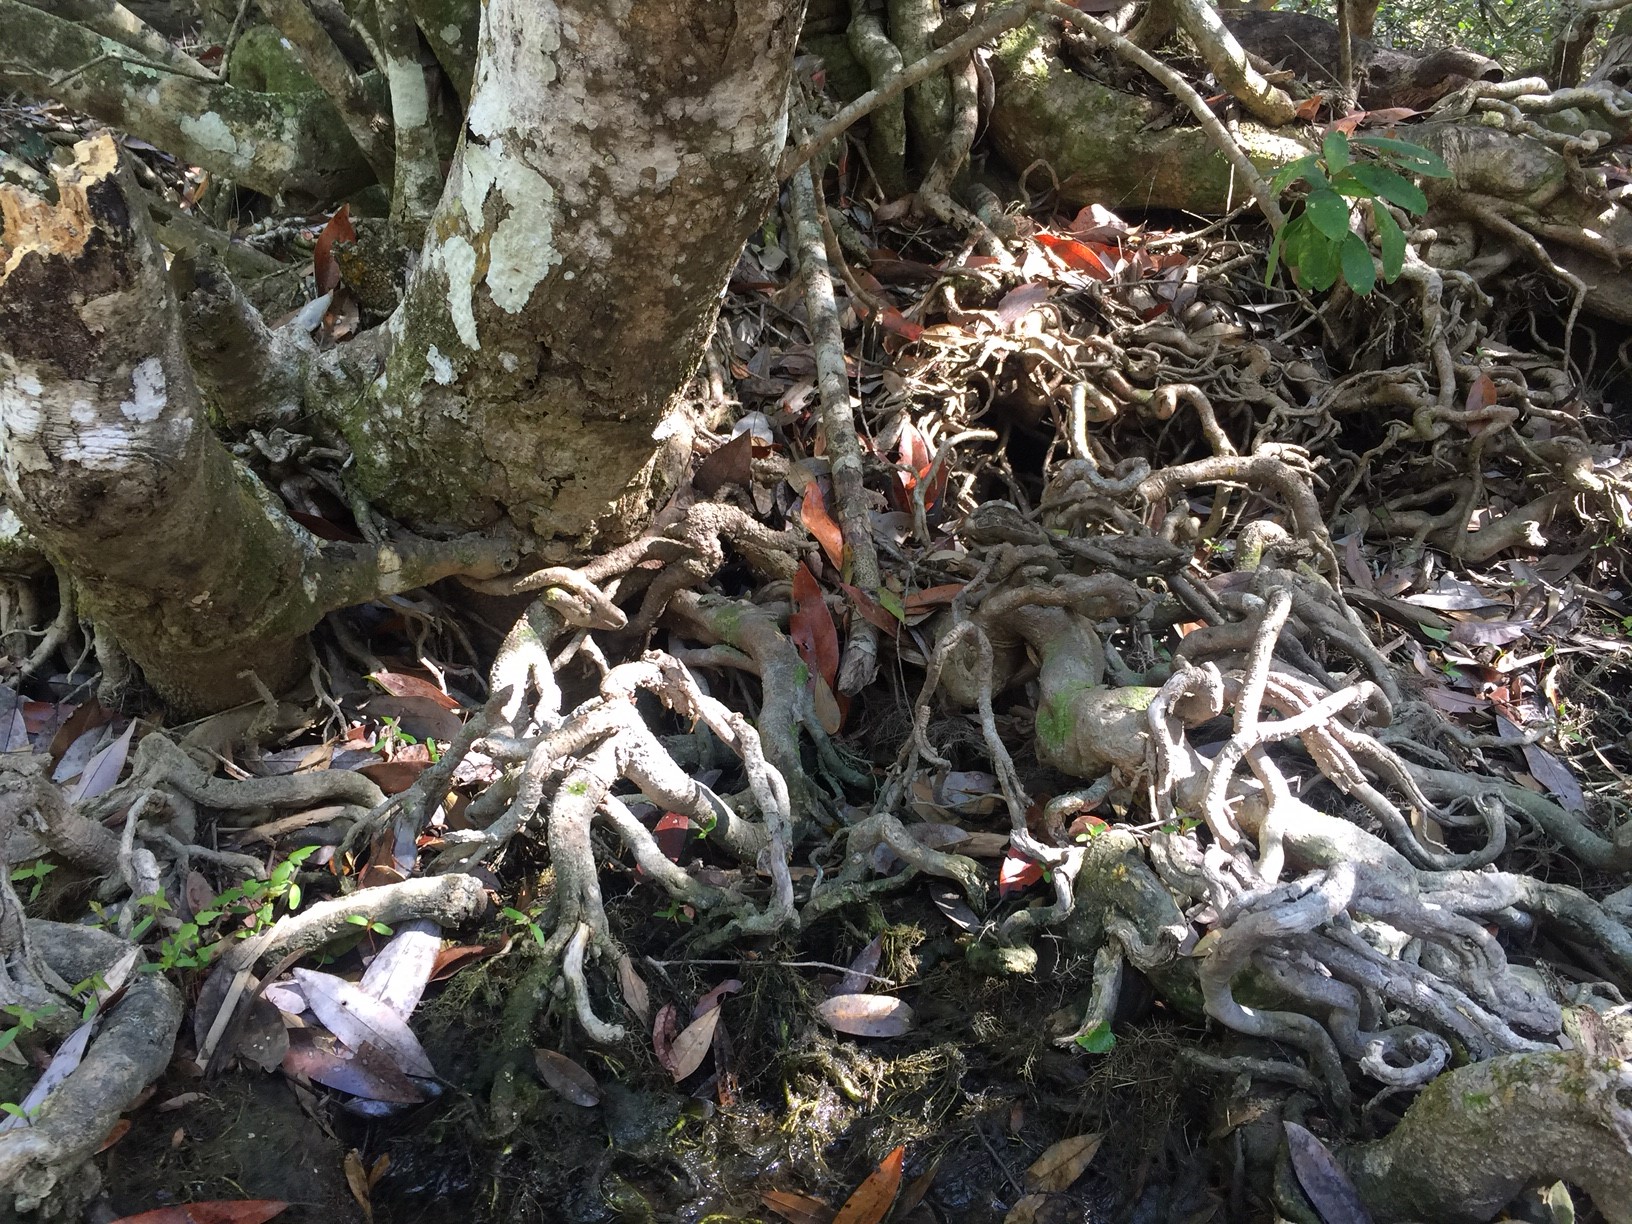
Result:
pixel 1490 596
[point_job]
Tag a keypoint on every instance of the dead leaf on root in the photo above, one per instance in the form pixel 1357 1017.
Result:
pixel 866 1015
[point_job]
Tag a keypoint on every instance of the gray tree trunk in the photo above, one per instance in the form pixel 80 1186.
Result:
pixel 615 158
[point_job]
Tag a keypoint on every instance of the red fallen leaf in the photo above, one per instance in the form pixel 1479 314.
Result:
pixel 813 514
pixel 797 1208
pixel 671 832
pixel 892 320
pixel 664 1030
pixel 118 1132
pixel 932 597
pixel 401 684
pixel 874 1197
pixel 730 464
pixel 1017 874
pixel 871 610
pixel 1079 256
pixel 913 452
pixel 450 960
pixel 1482 394
pixel 324 265
pixel 394 777
pixel 1391 114
pixel 1347 123
pixel 811 627
pixel 1309 108
pixel 238 1211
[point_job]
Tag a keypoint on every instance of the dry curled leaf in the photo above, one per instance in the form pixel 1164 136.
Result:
pixel 797 1208
pixel 873 1198
pixel 690 1047
pixel 1060 1166
pixel 567 1078
pixel 866 1015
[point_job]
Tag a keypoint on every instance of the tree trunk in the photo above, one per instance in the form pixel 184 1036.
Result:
pixel 107 457
pixel 612 166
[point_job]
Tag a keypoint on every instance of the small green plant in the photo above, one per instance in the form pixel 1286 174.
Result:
pixel 17 1111
pixel 379 928
pixel 1097 1040
pixel 24 1020
pixel 1317 243
pixel 33 874
pixel 528 922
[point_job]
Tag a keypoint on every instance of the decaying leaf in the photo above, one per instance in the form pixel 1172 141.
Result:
pixel 866 1015
pixel 634 989
pixel 862 968
pixel 359 1019
pixel 691 1046
pixel 1060 1166
pixel 874 1197
pixel 239 1211
pixel 1323 1179
pixel 797 1208
pixel 567 1078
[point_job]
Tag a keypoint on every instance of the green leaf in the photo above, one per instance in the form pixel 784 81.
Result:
pixel 1390 239
pixel 1357 269
pixel 1419 159
pixel 1336 148
pixel 1274 255
pixel 359 920
pixel 1560 1204
pixel 1097 1040
pixel 1330 215
pixel 1395 188
pixel 1319 266
pixel 891 603
pixel 1439 635
pixel 1293 171
pixel 294 896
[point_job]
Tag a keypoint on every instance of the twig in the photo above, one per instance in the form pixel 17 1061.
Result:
pixel 839 424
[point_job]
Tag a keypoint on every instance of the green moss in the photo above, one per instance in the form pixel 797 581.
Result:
pixel 1057 717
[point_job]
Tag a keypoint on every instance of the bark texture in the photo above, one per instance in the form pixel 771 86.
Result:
pixel 106 456
pixel 278 145
pixel 615 158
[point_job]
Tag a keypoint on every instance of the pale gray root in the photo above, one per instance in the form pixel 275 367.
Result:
pixel 45 1162
pixel 860 664
pixel 1479 1134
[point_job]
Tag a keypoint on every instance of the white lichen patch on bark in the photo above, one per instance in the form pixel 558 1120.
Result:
pixel 441 367
pixel 147 398
pixel 410 104
pixel 515 67
pixel 210 131
pixel 457 259
pixel 106 445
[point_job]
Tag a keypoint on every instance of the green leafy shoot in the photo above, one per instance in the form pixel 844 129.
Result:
pixel 1318 243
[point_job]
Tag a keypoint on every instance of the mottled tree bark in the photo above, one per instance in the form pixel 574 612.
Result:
pixel 107 457
pixel 280 146
pixel 613 163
